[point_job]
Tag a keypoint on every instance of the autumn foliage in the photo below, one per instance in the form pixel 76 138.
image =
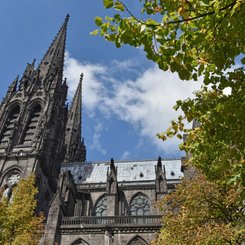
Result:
pixel 202 212
pixel 18 223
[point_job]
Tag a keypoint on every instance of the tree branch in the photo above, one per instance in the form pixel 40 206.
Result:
pixel 201 15
pixel 176 21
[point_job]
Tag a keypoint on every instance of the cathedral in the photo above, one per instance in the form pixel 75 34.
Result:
pixel 85 202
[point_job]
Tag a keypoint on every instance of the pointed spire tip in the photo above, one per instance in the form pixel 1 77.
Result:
pixel 33 62
pixel 81 77
pixel 67 18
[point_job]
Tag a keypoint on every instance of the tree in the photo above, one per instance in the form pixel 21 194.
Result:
pixel 198 40
pixel 18 222
pixel 201 212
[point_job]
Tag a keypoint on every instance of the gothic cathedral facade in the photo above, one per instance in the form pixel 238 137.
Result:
pixel 92 203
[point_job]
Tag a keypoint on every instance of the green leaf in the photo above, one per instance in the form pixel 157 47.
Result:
pixel 108 4
pixel 119 6
pixel 94 33
pixel 243 60
pixel 98 21
pixel 151 22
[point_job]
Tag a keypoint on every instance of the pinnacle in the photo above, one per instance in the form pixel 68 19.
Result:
pixel 74 124
pixel 67 18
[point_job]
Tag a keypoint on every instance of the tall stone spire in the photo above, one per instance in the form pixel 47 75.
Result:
pixel 75 148
pixel 53 61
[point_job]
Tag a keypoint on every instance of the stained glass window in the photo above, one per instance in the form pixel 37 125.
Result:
pixel 140 205
pixel 101 207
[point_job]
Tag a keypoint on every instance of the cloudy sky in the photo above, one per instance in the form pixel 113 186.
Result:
pixel 127 100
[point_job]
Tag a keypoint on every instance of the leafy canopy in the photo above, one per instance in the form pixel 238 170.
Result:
pixel 190 37
pixel 198 40
pixel 18 222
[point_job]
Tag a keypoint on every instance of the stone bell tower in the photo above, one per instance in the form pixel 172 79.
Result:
pixel 33 119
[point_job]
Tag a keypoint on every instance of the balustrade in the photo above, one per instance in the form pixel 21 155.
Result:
pixel 146 220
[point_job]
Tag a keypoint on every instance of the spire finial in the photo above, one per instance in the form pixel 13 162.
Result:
pixel 65 82
pixel 17 78
pixel 13 85
pixel 81 77
pixel 33 62
pixel 159 162
pixel 67 18
pixel 112 166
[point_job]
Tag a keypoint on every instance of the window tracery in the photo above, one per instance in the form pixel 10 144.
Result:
pixel 140 205
pixel 101 207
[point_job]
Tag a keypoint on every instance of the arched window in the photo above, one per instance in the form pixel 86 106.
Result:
pixel 137 241
pixel 80 242
pixel 31 125
pixel 9 126
pixel 101 207
pixel 140 205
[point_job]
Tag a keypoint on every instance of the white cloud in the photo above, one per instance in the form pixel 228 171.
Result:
pixel 125 155
pixel 91 87
pixel 145 102
pixel 96 145
pixel 148 102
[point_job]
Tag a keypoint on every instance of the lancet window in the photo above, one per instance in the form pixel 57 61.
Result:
pixel 31 125
pixel 9 126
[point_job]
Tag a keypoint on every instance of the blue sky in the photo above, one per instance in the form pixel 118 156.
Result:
pixel 126 98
